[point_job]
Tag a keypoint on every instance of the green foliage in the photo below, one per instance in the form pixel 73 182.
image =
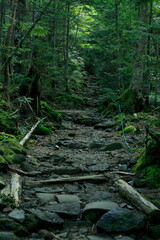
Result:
pixel 46 110
pixel 70 100
pixel 41 130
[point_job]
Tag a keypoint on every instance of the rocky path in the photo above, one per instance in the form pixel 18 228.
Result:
pixel 73 209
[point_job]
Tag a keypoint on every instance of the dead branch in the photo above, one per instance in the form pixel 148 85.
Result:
pixel 25 139
pixel 71 179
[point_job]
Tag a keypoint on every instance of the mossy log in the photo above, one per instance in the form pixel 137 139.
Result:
pixel 12 192
pixel 136 198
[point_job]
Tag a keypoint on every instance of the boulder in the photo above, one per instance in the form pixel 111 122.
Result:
pixel 121 220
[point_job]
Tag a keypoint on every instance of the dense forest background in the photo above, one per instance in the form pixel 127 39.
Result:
pixel 49 48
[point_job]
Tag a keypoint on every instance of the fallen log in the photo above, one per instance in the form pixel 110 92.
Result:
pixel 71 179
pixel 136 198
pixel 25 139
pixel 13 190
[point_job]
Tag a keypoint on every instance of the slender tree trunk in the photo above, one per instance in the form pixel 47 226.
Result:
pixel 7 42
pixel 67 48
pixel 54 39
pixel 2 20
pixel 148 75
pixel 137 76
pixel 120 79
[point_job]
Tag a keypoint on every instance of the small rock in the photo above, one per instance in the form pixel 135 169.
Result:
pixel 7 236
pixel 93 237
pixel 131 183
pixel 120 237
pixel 67 198
pixel 101 196
pixel 113 189
pixel 64 209
pixel 47 216
pixel 122 161
pixel 45 197
pixel 7 210
pixel 123 167
pixel 2 184
pixel 18 215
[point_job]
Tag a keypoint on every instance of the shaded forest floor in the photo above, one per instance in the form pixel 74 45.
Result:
pixel 70 210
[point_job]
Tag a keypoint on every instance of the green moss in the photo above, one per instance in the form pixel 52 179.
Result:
pixel 30 222
pixel 129 129
pixel 46 110
pixel 3 163
pixel 130 103
pixel 149 156
pixel 41 130
pixel 152 176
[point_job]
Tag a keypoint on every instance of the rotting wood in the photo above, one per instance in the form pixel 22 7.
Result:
pixel 25 139
pixel 71 179
pixel 136 198
pixel 13 189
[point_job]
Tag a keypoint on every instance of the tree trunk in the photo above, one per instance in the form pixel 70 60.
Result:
pixel 67 48
pixel 138 70
pixel 148 75
pixel 7 42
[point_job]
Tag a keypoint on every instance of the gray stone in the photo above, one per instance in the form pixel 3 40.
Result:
pixel 101 205
pixel 121 220
pixel 7 236
pixel 102 167
pixel 106 145
pixel 122 161
pixel 18 215
pixel 105 125
pixel 123 167
pixel 64 209
pixel 101 196
pixel 93 237
pixel 63 198
pixel 123 238
pixel 49 190
pixel 46 216
pixel 113 189
pixel 71 188
pixel 2 184
pixel 45 197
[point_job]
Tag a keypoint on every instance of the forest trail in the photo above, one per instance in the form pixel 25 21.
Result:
pixel 69 210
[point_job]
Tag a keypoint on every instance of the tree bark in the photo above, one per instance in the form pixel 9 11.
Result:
pixel 7 43
pixel 138 70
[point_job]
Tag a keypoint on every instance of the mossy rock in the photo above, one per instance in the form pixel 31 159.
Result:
pixel 41 130
pixel 31 222
pixel 11 225
pixel 148 164
pixel 8 123
pixel 130 103
pixel 46 110
pixel 149 156
pixel 129 129
pixel 3 164
pixel 111 109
